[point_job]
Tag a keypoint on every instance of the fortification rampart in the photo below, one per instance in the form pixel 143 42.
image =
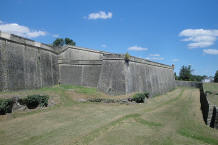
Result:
pixel 80 66
pixel 136 75
pixel 26 64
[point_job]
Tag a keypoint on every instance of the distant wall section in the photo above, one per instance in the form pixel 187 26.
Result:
pixel 188 84
pixel 26 64
pixel 80 66
pixel 137 75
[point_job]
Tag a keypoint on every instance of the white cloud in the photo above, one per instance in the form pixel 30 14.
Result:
pixel 199 37
pixel 100 15
pixel 1 22
pixel 20 30
pixel 211 51
pixel 103 45
pixel 175 60
pixel 137 48
pixel 154 57
pixel 55 35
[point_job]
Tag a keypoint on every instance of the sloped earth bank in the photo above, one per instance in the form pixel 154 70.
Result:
pixel 174 118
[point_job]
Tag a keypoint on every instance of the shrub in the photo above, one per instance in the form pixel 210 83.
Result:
pixel 140 97
pixel 127 57
pixel 34 101
pixel 5 106
pixel 95 100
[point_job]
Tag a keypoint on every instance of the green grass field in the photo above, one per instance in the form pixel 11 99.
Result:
pixel 212 89
pixel 173 118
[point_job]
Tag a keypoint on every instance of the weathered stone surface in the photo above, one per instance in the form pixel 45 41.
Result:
pixel 32 76
pixel 112 77
pixel 78 53
pixel 26 64
pixel 2 78
pixel 15 66
pixel 138 75
pixel 71 75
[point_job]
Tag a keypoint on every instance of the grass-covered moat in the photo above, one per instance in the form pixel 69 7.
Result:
pixel 173 118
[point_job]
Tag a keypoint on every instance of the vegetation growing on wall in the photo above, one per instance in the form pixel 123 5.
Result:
pixel 61 42
pixel 127 57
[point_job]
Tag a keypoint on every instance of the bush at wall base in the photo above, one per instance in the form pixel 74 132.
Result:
pixel 34 101
pixel 5 106
pixel 140 97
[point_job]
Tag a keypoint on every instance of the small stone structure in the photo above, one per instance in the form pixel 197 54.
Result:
pixel 26 64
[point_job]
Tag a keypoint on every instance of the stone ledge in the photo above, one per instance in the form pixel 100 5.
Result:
pixel 79 62
pixel 25 41
pixel 66 47
pixel 135 60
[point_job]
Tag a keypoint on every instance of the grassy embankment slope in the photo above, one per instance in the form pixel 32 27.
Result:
pixel 173 118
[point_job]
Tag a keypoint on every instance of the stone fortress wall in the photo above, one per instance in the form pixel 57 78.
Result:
pixel 136 75
pixel 26 64
pixel 80 66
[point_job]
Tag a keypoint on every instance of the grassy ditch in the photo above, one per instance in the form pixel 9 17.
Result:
pixel 172 118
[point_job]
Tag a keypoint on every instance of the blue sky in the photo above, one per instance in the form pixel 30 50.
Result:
pixel 176 32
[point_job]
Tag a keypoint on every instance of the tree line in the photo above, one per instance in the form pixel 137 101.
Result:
pixel 185 74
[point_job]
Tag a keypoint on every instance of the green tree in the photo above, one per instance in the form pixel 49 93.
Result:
pixel 58 42
pixel 176 77
pixel 69 41
pixel 198 78
pixel 185 73
pixel 61 42
pixel 216 77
